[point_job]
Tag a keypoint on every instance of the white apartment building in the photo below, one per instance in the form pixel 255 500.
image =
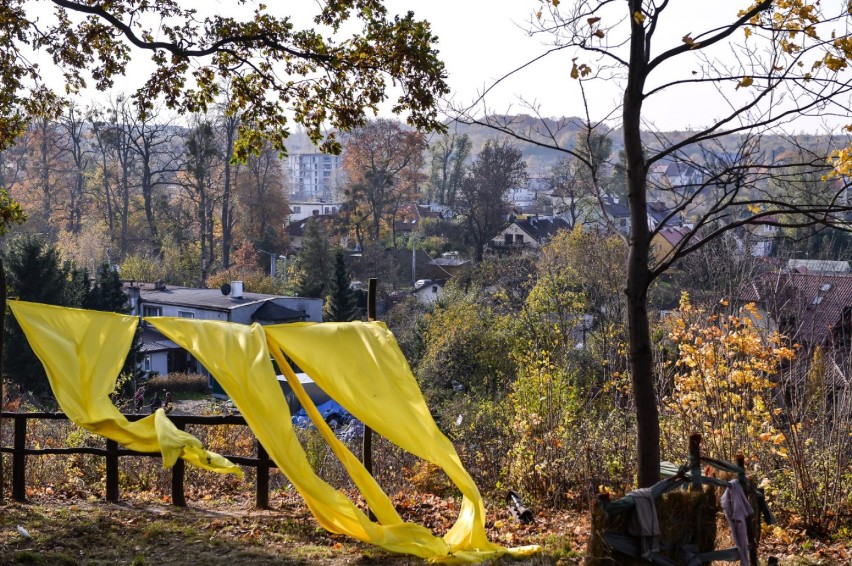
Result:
pixel 314 175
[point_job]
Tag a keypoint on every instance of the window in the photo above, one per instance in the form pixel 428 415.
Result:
pixel 519 239
pixel 148 310
pixel 146 363
pixel 508 239
pixel 186 314
pixel 434 289
pixel 297 210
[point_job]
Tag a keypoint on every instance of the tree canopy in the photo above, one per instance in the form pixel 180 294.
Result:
pixel 769 67
pixel 273 71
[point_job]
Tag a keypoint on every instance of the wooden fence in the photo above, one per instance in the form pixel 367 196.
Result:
pixel 113 452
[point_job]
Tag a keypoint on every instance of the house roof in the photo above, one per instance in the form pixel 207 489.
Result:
pixel 152 341
pixel 658 212
pixel 811 304
pixel 673 235
pixel 616 209
pixel 540 229
pixel 421 284
pixel 297 228
pixel 273 312
pixel 818 266
pixel 211 299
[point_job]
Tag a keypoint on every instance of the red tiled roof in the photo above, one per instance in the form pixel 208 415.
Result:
pixel 812 304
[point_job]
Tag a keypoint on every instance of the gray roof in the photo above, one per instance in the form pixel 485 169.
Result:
pixel 272 312
pixel 211 299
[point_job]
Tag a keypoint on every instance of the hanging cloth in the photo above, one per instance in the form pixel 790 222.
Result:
pixel 83 352
pixel 238 357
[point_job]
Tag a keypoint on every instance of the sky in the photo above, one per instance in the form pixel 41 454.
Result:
pixel 483 40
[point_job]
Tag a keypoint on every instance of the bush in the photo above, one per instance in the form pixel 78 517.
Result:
pixel 179 383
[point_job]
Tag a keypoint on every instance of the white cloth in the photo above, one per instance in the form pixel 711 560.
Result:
pixel 738 510
pixel 645 524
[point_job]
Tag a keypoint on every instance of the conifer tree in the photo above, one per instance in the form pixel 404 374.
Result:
pixel 315 262
pixel 341 305
pixel 34 273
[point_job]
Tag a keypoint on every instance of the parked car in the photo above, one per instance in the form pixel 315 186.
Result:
pixel 332 412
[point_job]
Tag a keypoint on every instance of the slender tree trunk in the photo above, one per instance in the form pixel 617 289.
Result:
pixel 638 273
pixel 147 190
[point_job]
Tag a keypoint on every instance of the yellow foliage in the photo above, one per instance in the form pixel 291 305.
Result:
pixel 724 377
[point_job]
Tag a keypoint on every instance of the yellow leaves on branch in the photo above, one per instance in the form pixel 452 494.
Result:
pixel 638 17
pixel 724 377
pixel 745 82
pixel 581 70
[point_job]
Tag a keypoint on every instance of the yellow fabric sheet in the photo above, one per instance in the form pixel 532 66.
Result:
pixel 83 352
pixel 359 365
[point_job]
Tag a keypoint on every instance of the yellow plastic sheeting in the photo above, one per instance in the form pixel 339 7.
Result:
pixel 369 376
pixel 83 352
pixel 238 357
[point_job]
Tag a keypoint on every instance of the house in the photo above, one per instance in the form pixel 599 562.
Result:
pixel 761 237
pixel 812 308
pixel 666 240
pixel 659 214
pixel 229 304
pixel 529 233
pixel 428 291
pixel 815 311
pixel 304 209
pixel 818 266
pixel 409 217
pixel 296 231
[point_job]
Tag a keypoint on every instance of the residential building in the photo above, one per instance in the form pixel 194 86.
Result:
pixel 527 234
pixel 811 308
pixel 666 240
pixel 314 175
pixel 229 304
pixel 305 208
pixel 428 291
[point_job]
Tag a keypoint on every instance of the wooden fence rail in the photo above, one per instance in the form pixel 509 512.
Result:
pixel 113 452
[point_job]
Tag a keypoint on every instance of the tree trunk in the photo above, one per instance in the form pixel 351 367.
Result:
pixel 638 273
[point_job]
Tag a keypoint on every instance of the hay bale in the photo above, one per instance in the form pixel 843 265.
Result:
pixel 685 517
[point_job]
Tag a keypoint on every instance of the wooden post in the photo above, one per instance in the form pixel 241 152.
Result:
pixel 178 499
pixel 261 497
pixel 19 460
pixel 112 471
pixel 752 520
pixel 695 461
pixel 367 446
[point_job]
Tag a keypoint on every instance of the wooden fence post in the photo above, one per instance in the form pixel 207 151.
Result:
pixel 750 521
pixel 695 461
pixel 261 497
pixel 19 460
pixel 112 471
pixel 178 499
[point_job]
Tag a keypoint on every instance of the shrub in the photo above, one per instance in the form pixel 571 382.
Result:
pixel 179 383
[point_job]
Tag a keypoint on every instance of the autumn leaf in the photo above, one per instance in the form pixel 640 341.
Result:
pixel 593 21
pixel 745 82
pixel 599 34
pixel 638 17
pixel 687 39
pixel 753 208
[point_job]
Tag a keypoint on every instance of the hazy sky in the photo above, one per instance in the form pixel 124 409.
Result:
pixel 482 40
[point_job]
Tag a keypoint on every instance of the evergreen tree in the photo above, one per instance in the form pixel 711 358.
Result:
pixel 341 305
pixel 315 262
pixel 107 294
pixel 34 273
